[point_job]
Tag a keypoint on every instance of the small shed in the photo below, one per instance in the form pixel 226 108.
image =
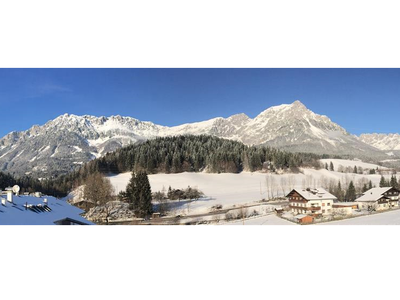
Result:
pixel 304 219
pixel 156 215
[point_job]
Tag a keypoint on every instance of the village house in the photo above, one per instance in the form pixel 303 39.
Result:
pixel 317 202
pixel 379 199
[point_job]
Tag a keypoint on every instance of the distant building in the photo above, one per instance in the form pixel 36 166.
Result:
pixel 84 204
pixel 317 202
pixel 345 208
pixel 379 199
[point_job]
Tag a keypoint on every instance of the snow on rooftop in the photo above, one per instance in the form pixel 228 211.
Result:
pixel 299 217
pixel 315 194
pixel 373 194
pixel 16 214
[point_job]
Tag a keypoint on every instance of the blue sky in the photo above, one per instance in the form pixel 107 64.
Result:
pixel 360 100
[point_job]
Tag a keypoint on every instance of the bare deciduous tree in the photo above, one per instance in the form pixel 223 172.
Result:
pixel 99 190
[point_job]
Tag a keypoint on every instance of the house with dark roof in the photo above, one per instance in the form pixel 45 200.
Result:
pixel 379 199
pixel 317 202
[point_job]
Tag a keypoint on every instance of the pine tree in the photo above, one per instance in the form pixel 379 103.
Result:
pixel 351 192
pixel 370 185
pixel 393 181
pixel 338 192
pixel 132 192
pixel 145 207
pixel 326 166
pixel 355 171
pixel 382 183
pixel 331 168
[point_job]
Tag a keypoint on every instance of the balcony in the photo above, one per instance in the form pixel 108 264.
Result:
pixel 308 208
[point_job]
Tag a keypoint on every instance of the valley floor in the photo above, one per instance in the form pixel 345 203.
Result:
pixel 263 220
pixel 233 191
pixel 236 189
pixel 384 218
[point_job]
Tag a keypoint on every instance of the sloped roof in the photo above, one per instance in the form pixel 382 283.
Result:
pixel 16 214
pixel 373 194
pixel 299 217
pixel 315 194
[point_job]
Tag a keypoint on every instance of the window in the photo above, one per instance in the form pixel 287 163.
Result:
pixel 323 204
pixel 329 204
pixel 323 211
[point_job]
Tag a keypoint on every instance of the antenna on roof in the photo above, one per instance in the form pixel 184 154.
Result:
pixel 16 189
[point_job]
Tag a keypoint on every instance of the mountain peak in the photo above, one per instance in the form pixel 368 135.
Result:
pixel 299 104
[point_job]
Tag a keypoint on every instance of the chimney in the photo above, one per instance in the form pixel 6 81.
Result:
pixel 10 196
pixel 45 201
pixel 3 201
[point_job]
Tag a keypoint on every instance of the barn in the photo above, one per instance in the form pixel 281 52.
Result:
pixel 304 219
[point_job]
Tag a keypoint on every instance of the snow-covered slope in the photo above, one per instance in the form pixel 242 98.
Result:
pixel 69 140
pixel 295 128
pixel 385 142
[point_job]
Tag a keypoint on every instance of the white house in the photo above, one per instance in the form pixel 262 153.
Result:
pixel 379 199
pixel 311 201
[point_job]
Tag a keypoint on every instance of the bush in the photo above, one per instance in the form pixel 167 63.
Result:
pixel 216 207
pixel 229 216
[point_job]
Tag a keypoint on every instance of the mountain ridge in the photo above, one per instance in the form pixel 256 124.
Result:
pixel 70 140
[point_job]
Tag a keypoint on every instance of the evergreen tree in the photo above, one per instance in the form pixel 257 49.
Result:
pixel 355 171
pixel 370 185
pixel 139 196
pixel 326 166
pixel 331 168
pixel 339 192
pixel 382 183
pixel 351 192
pixel 393 181
pixel 132 192
pixel 145 206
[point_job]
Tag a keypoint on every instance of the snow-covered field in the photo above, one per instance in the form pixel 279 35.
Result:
pixel 350 163
pixel 224 189
pixel 264 220
pixel 243 188
pixel 384 218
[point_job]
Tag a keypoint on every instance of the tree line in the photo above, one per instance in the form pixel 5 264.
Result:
pixel 195 154
pixel 175 155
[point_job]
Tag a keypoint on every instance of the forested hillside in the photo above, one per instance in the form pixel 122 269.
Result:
pixel 196 154
pixel 175 155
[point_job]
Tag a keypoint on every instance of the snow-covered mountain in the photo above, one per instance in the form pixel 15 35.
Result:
pixel 385 142
pixel 69 140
